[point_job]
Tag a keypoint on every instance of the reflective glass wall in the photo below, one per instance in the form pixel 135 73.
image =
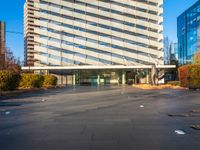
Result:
pixel 188 32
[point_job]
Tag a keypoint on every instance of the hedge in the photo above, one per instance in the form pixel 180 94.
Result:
pixel 189 76
pixel 31 81
pixel 50 81
pixel 9 80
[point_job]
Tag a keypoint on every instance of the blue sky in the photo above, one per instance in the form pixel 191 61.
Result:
pixel 172 9
pixel 11 11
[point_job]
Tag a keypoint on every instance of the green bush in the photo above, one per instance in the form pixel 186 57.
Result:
pixel 174 83
pixel 189 76
pixel 31 81
pixel 49 81
pixel 9 80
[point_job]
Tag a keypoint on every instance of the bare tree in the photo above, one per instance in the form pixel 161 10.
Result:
pixel 11 62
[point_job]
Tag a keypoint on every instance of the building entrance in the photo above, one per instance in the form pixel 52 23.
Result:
pixel 99 77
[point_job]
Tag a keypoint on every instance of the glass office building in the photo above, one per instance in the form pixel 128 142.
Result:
pixel 96 32
pixel 188 31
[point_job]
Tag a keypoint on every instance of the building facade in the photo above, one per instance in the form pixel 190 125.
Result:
pixel 2 44
pixel 167 50
pixel 175 51
pixel 188 32
pixel 29 34
pixel 170 51
pixel 98 32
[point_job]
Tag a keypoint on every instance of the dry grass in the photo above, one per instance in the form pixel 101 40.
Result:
pixel 150 87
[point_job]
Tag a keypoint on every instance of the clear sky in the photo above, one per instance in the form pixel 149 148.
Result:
pixel 172 9
pixel 11 11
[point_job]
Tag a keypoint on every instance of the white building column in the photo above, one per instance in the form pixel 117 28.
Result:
pixel 98 79
pixel 147 76
pixel 74 78
pixel 123 77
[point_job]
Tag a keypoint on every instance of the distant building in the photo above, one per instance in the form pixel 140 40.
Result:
pixel 188 32
pixel 170 51
pixel 2 44
pixel 170 58
pixel 166 50
pixel 174 51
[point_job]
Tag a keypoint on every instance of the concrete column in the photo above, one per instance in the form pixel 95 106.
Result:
pixel 147 76
pixel 98 79
pixel 123 77
pixel 74 78
pixel 61 79
pixel 47 72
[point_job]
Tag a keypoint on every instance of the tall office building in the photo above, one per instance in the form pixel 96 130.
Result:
pixel 29 34
pixel 2 44
pixel 96 32
pixel 167 50
pixel 188 32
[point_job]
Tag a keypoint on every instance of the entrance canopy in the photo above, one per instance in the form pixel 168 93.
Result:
pixel 91 67
pixel 99 75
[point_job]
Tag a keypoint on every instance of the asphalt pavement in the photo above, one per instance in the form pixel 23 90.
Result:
pixel 100 118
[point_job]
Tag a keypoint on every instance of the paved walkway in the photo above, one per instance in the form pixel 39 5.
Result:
pixel 99 118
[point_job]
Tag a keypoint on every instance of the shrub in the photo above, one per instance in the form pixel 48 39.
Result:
pixel 31 81
pixel 194 80
pixel 197 58
pixel 9 80
pixel 49 81
pixel 184 76
pixel 189 76
pixel 174 83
